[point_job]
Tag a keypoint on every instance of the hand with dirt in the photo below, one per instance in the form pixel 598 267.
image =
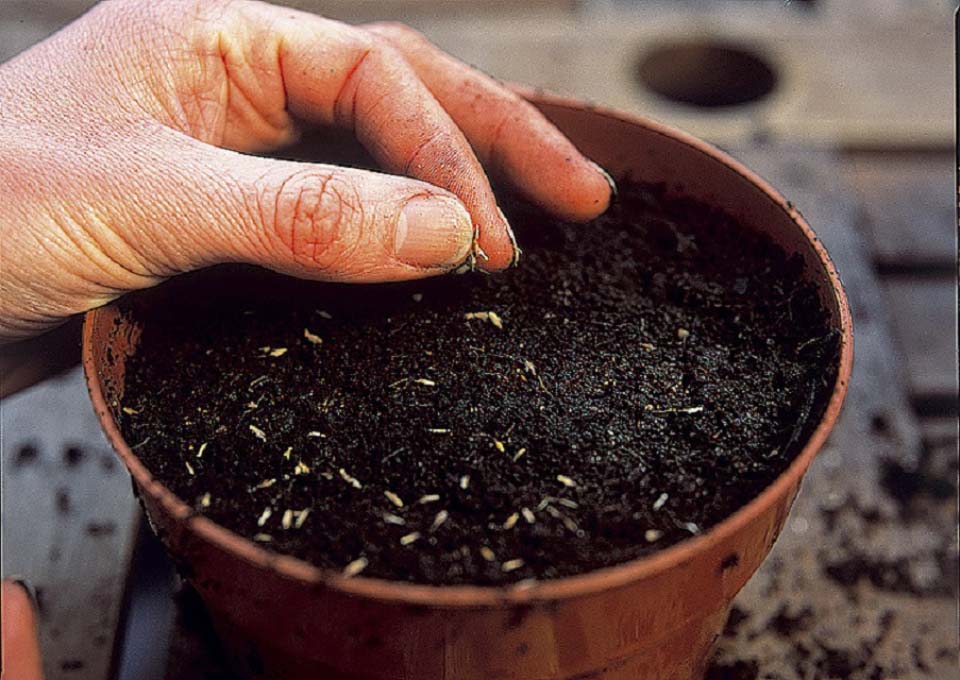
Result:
pixel 121 164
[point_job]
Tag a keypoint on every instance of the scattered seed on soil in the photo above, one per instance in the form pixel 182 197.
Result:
pixel 487 554
pixel 355 567
pixel 301 468
pixel 512 565
pixel 264 516
pixel 394 498
pixel 511 521
pixel 428 498
pixel 205 500
pixel 412 537
pixel 312 338
pixel 439 519
pixel 287 520
pixel 661 501
pixel 266 484
pixel 390 518
pixel 566 481
pixel 627 410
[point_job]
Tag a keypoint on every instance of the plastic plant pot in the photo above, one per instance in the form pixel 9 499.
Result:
pixel 656 617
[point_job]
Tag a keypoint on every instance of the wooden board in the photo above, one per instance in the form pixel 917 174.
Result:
pixel 925 327
pixel 68 523
pixel 907 206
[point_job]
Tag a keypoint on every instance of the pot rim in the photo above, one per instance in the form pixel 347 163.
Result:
pixel 471 596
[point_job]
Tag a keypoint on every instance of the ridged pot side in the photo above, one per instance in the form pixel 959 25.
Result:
pixel 656 617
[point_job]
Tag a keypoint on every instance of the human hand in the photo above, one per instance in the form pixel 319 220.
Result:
pixel 119 165
pixel 18 633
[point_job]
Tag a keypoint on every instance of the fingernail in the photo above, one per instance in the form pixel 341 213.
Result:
pixel 606 176
pixel 29 590
pixel 433 232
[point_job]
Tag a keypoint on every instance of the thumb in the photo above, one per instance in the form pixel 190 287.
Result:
pixel 20 654
pixel 308 220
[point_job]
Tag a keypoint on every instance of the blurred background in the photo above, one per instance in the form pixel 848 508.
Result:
pixel 848 108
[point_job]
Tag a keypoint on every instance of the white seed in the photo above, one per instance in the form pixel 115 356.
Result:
pixel 567 503
pixel 390 518
pixel 425 381
pixel 323 314
pixel 258 433
pixel 301 518
pixel 512 565
pixel 355 567
pixel 203 447
pixel 205 500
pixel 429 498
pixel 130 411
pixel 499 445
pixel 652 535
pixel 407 539
pixel 262 538
pixel 394 498
pixel 189 467
pixel 519 454
pixel 487 554
pixel 267 483
pixel 661 501
pixel 692 527
pixel 465 482
pixel 315 339
pixel 316 434
pixel 683 333
pixel 352 481
pixel 301 468
pixel 264 516
pixel 287 520
pixel 438 430
pixel 495 320
pixel 528 515
pixel 439 520
pixel 511 521
pixel 417 297
pixel 566 481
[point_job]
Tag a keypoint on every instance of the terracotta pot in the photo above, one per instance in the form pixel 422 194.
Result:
pixel 655 617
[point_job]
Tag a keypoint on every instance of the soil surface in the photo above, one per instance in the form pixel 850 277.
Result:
pixel 631 383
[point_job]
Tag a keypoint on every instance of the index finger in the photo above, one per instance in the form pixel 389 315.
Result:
pixel 509 135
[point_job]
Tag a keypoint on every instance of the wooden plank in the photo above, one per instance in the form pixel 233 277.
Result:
pixel 925 326
pixel 908 208
pixel 68 522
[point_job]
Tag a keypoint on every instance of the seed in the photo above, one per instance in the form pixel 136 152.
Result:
pixel 570 524
pixel 410 538
pixel 258 433
pixel 652 535
pixel 512 565
pixel 355 567
pixel 439 520
pixel 438 430
pixel 301 518
pixel 390 518
pixel 286 454
pixel 465 482
pixel 352 481
pixel 315 339
pixel 566 481
pixel 544 503
pixel 393 498
pixel 316 434
pixel 323 314
pixel 264 516
pixel 262 538
pixel 528 365
pixel 301 469
pixel 692 527
pixel 528 515
pixel 499 445
pixel 647 346
pixel 511 521
pixel 661 501
pixel 266 484
pixel 189 467
pixel 492 317
pixel 495 320
pixel 287 520
pixel 487 554
pixel 553 512
pixel 205 500
pixel 130 411
pixel 203 447
pixel 425 381
pixel 417 297
pixel 429 498
pixel 278 352
pixel 567 503
pixel 519 454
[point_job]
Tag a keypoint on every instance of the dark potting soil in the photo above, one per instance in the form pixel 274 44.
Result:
pixel 631 383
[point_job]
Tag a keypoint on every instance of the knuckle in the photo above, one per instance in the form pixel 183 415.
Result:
pixel 318 219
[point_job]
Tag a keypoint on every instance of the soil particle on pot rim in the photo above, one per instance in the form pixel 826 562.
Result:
pixel 633 382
